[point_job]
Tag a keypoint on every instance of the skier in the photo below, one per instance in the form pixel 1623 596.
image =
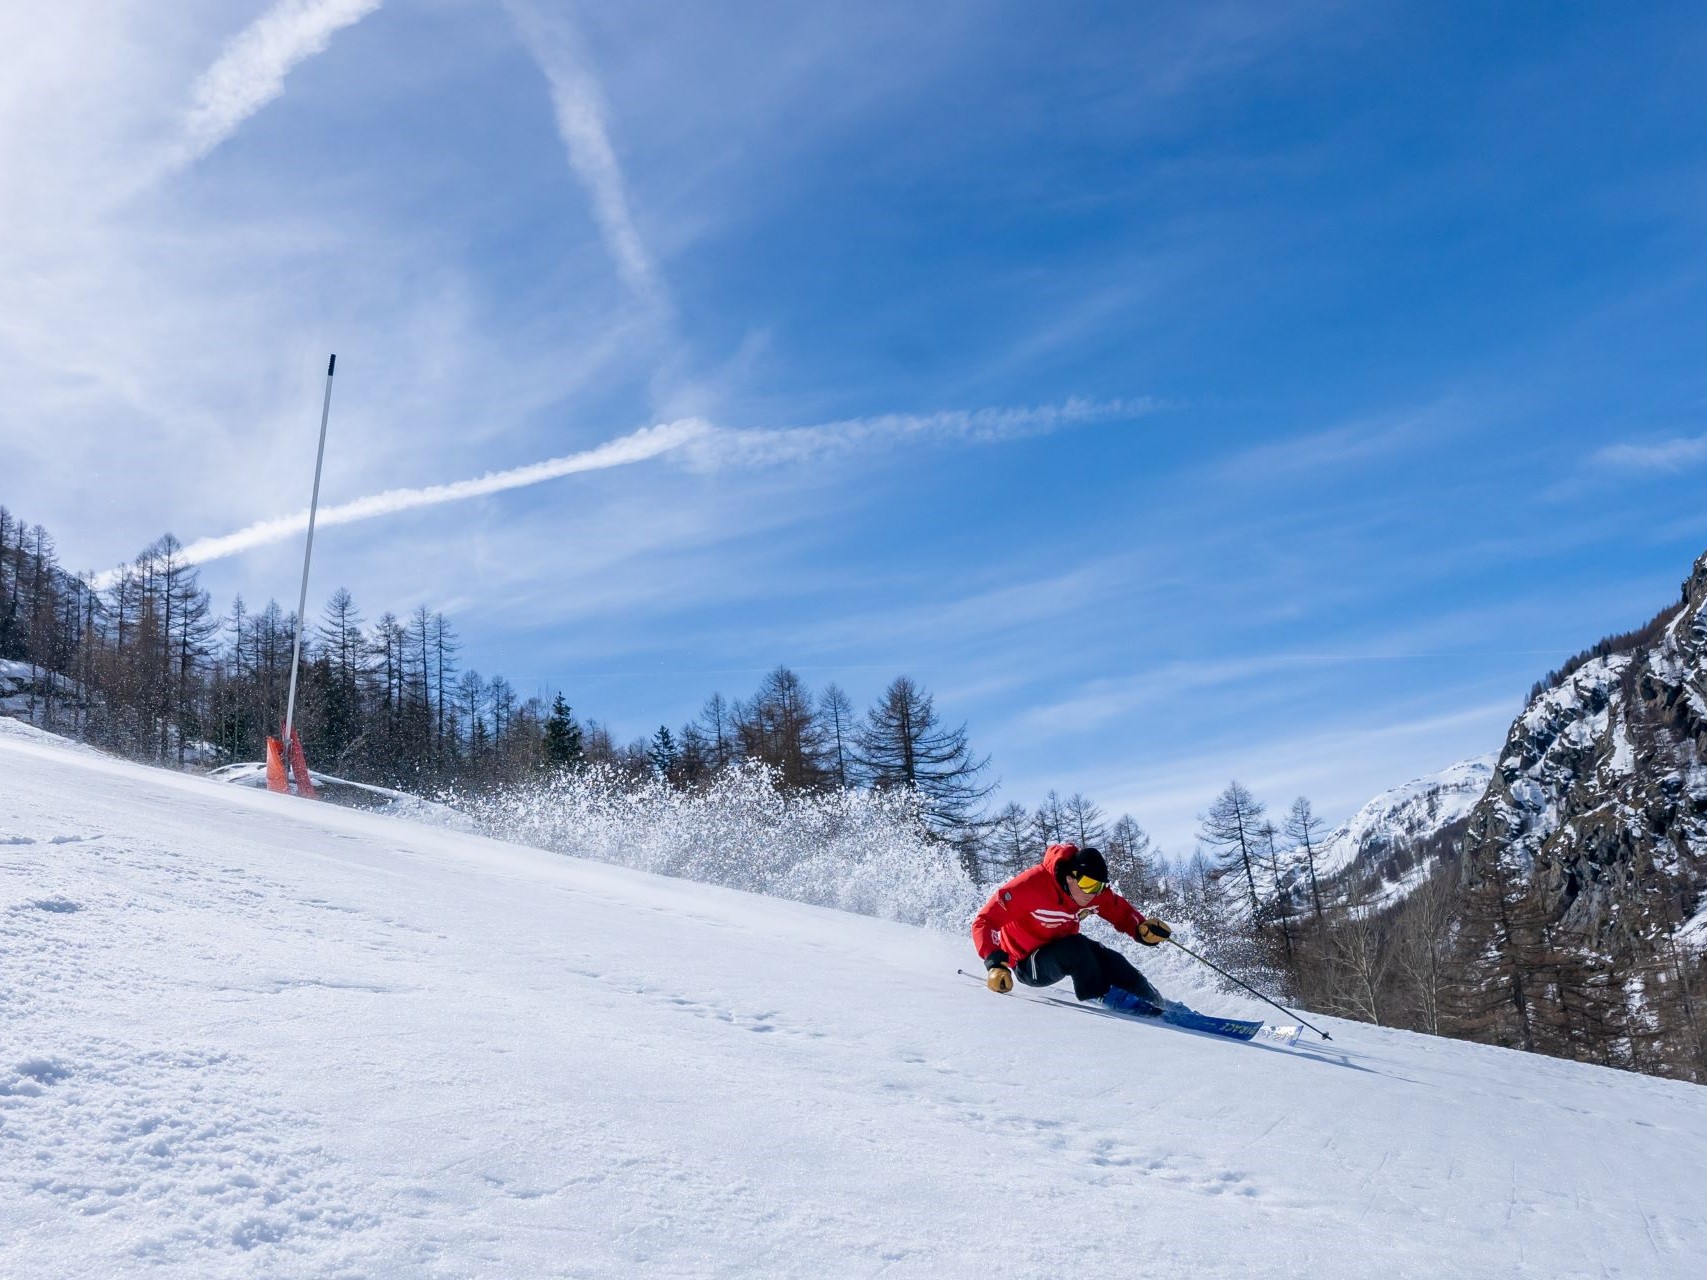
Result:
pixel 1030 926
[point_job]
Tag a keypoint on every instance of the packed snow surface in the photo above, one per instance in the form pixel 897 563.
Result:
pixel 247 1035
pixel 355 795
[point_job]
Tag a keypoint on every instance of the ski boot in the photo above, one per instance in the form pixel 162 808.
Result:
pixel 1122 1001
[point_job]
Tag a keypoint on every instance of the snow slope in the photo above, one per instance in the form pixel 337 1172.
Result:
pixel 242 1034
pixel 356 795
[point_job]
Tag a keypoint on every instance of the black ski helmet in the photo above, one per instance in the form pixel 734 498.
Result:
pixel 1086 862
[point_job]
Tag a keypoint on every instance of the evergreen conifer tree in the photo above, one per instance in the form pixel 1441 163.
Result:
pixel 663 752
pixel 563 749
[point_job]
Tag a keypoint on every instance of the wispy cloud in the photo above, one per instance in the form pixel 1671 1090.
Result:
pixel 1364 443
pixel 1676 454
pixel 1339 767
pixel 1100 701
pixel 1109 699
pixel 579 106
pixel 250 72
pixel 700 443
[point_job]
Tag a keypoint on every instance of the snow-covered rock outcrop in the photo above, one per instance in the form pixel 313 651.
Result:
pixel 1391 845
pixel 1406 816
pixel 1599 798
pixel 25 689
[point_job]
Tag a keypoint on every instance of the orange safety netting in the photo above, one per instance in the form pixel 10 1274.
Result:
pixel 299 768
pixel 276 766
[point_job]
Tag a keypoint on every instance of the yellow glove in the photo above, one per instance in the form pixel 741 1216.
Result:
pixel 1000 981
pixel 1153 933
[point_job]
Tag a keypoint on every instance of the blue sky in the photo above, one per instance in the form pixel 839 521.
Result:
pixel 1181 392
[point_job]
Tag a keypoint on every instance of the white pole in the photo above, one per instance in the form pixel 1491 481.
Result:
pixel 308 553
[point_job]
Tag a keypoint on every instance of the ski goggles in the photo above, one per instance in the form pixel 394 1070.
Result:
pixel 1091 885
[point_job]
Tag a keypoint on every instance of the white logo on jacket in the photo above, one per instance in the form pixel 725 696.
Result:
pixel 1054 919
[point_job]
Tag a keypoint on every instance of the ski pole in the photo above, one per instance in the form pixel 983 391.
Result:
pixel 1248 987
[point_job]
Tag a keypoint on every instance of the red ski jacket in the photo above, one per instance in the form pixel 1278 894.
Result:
pixel 1033 908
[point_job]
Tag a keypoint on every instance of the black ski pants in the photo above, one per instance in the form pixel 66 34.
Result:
pixel 1093 968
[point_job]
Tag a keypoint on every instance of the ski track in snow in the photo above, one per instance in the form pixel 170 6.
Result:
pixel 242 1035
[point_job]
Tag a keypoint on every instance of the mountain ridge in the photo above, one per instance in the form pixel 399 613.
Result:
pixel 1599 799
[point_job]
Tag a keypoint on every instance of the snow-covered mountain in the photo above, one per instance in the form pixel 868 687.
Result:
pixel 244 1034
pixel 1405 816
pixel 1390 845
pixel 1599 799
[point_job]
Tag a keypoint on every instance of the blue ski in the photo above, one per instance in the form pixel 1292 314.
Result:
pixel 1177 1015
pixel 1174 1014
pixel 1188 1019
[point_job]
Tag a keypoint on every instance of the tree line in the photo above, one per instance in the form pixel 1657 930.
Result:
pixel 1479 958
pixel 140 663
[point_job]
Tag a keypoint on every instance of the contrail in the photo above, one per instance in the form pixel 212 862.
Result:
pixel 732 447
pixel 698 444
pixel 580 110
pixel 648 442
pixel 250 71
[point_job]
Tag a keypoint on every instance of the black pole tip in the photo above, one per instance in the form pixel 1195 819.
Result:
pixel 331 364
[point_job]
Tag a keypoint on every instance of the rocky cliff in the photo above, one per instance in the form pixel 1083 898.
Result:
pixel 1599 799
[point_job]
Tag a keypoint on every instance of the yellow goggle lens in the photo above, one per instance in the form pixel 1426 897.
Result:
pixel 1091 885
